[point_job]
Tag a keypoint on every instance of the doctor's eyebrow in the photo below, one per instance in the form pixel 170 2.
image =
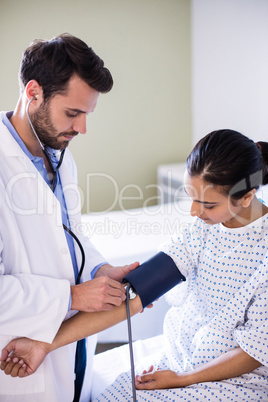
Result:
pixel 69 109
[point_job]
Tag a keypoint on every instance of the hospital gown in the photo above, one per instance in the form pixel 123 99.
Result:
pixel 222 305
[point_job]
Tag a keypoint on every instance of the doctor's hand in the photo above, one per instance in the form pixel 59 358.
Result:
pixel 99 294
pixel 116 273
pixel 22 357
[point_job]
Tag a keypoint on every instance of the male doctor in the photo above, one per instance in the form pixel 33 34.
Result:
pixel 41 252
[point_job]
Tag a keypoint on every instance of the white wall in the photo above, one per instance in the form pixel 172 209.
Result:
pixel 145 120
pixel 230 67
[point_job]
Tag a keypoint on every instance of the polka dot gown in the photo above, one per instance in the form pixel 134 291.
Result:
pixel 222 305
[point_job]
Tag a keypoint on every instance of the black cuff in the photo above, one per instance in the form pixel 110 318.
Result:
pixel 154 277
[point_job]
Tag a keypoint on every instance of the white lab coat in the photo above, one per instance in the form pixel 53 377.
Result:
pixel 36 270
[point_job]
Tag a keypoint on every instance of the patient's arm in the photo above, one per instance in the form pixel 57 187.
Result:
pixel 21 357
pixel 231 364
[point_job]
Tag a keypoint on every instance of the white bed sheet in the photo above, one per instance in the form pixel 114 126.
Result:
pixel 135 235
pixel 108 365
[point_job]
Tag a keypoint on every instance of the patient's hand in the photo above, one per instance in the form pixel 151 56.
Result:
pixel 22 357
pixel 157 379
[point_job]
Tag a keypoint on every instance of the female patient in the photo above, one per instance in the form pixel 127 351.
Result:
pixel 216 331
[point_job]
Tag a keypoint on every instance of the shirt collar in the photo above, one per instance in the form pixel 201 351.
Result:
pixel 54 154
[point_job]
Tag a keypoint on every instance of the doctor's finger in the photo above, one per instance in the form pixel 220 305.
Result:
pixel 113 301
pixel 116 292
pixel 116 285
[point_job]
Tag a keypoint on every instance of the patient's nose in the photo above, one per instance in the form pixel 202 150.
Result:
pixel 196 208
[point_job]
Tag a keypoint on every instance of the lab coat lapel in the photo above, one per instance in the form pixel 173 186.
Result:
pixel 28 194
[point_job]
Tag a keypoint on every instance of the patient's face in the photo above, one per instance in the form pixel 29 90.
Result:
pixel 210 204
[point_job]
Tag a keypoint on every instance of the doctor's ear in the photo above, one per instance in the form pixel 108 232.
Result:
pixel 33 90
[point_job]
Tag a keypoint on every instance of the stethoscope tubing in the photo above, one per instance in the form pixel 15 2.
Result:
pixel 52 187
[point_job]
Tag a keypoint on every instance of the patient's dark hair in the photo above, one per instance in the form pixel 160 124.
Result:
pixel 53 62
pixel 229 159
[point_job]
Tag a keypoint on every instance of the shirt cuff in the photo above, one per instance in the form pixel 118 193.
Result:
pixel 70 301
pixel 93 272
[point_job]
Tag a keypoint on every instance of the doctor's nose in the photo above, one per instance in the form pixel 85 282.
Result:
pixel 80 124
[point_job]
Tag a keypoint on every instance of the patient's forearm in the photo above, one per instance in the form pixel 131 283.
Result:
pixel 22 356
pixel 83 324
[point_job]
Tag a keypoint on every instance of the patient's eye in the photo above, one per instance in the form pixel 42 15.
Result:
pixel 209 206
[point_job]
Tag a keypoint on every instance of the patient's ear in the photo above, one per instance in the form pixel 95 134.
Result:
pixel 246 200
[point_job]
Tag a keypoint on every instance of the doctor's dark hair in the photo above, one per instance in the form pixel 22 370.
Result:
pixel 229 159
pixel 53 62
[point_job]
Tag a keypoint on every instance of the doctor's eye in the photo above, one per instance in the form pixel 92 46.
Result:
pixel 71 114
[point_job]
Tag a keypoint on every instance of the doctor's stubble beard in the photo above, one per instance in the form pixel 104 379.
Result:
pixel 47 134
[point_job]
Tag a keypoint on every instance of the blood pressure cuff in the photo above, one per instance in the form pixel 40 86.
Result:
pixel 154 277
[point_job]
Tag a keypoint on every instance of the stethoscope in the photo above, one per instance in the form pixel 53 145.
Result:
pixel 128 287
pixel 52 187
